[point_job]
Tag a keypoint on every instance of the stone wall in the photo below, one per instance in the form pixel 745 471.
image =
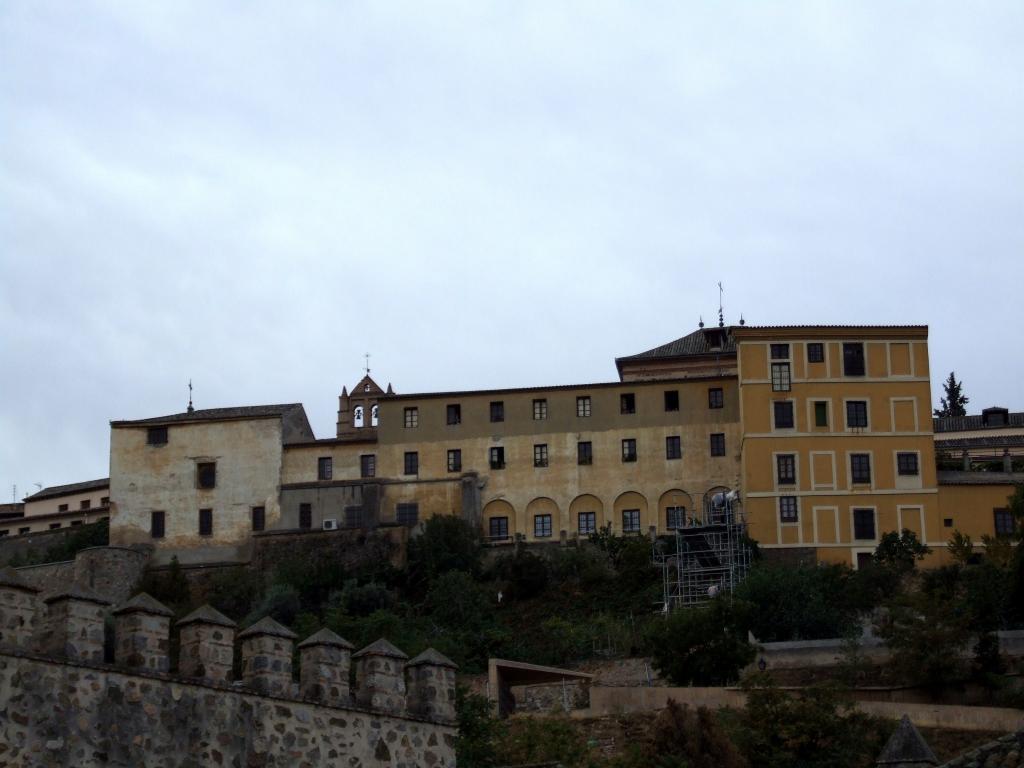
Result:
pixel 31 544
pixel 111 572
pixel 349 548
pixel 60 705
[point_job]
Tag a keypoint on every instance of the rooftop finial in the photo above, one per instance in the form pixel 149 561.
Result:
pixel 367 356
pixel 721 316
pixel 742 321
pixel 190 408
pixel 701 323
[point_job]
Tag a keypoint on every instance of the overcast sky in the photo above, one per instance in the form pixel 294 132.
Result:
pixel 252 195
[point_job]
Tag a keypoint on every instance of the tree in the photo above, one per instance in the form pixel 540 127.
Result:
pixel 900 551
pixel 960 547
pixel 702 646
pixel 955 400
pixel 448 543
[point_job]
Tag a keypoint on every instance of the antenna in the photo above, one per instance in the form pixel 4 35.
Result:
pixel 190 408
pixel 367 356
pixel 14 493
pixel 38 485
pixel 721 317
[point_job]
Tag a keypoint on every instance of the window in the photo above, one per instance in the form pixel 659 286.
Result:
pixel 627 402
pixel 497 457
pixel 860 468
pixel 23 531
pixel 498 528
pixel 305 516
pixel 357 417
pixel 324 468
pixel 906 463
pixel 542 526
pixel 821 413
pixel 353 517
pixel 62 507
pixel 412 463
pixel 375 416
pixel 54 526
pixel 104 501
pixel 453 414
pixel 206 475
pixel 407 514
pixel 673 447
pixel 583 406
pixel 780 351
pixel 259 518
pixel 587 522
pixel 853 359
pixel 631 521
pixel 85 504
pixel 498 410
pixel 73 523
pixel 864 524
pixel 788 509
pixel 718 444
pixel 816 353
pixel 672 400
pixel 540 455
pixel 783 410
pixel 411 417
pixel 947 522
pixel 785 464
pixel 368 465
pixel 206 522
pixel 715 397
pixel 455 460
pixel 584 453
pixel 781 381
pixel 540 410
pixel 1003 520
pixel 675 517
pixel 157 524
pixel 629 449
pixel 156 436
pixel 856 414
pixel 7 531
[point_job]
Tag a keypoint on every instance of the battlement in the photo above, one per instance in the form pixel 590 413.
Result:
pixel 404 710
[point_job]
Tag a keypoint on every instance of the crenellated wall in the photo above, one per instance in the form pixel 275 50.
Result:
pixel 63 707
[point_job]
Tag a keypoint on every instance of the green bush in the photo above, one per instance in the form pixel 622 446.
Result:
pixel 524 574
pixel 706 645
pixel 363 599
pixel 281 602
pixel 447 543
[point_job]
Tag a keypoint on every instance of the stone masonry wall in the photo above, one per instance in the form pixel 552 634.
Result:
pixel 58 714
pixel 112 572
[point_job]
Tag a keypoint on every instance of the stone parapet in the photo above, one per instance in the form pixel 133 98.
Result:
pixel 430 682
pixel 18 607
pixel 267 657
pixel 74 625
pixel 142 633
pixel 206 645
pixel 380 676
pixel 324 662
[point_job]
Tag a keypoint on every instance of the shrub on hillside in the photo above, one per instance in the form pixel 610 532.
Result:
pixel 706 645
pixel 523 574
pixel 447 543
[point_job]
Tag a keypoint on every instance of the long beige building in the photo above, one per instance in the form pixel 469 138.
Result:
pixel 825 433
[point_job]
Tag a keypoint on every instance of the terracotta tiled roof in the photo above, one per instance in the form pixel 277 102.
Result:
pixel 697 343
pixel 216 414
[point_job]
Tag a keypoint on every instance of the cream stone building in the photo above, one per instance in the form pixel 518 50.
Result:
pixel 59 506
pixel 825 432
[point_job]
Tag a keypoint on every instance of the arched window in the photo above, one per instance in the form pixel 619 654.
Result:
pixel 357 417
pixel 374 419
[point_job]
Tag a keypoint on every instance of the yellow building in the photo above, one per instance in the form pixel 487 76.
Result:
pixel 824 431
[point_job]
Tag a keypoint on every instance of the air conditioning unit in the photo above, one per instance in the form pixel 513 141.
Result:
pixel 330 524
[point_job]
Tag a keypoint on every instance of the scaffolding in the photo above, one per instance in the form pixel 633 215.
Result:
pixel 706 554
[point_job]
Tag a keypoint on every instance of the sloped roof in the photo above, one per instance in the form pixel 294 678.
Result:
pixel 143 603
pixel 380 647
pixel 906 747
pixel 69 489
pixel 216 414
pixel 267 626
pixel 434 658
pixel 326 637
pixel 974 422
pixel 692 344
pixel 206 614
